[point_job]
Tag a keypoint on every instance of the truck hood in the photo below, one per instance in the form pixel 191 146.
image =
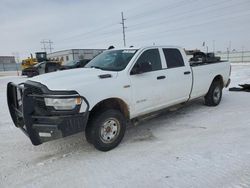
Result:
pixel 73 78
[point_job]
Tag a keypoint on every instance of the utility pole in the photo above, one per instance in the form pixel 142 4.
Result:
pixel 47 45
pixel 50 43
pixel 123 29
pixel 43 42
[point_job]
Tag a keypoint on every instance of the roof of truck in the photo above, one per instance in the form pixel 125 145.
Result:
pixel 150 46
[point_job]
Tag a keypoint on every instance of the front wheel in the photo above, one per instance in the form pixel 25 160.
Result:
pixel 106 129
pixel 213 97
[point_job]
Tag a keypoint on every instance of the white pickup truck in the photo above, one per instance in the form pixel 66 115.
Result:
pixel 115 87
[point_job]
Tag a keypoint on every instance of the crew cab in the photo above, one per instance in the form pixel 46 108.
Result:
pixel 114 88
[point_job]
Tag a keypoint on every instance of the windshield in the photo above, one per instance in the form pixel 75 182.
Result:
pixel 71 63
pixel 114 60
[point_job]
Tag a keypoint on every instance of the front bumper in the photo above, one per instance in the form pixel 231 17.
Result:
pixel 39 122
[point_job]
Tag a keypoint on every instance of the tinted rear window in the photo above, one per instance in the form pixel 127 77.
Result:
pixel 173 57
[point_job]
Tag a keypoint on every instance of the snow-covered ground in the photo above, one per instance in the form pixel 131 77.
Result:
pixel 195 146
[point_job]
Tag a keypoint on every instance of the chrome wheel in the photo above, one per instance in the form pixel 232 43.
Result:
pixel 110 130
pixel 217 94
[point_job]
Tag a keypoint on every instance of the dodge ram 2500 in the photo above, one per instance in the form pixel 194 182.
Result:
pixel 115 87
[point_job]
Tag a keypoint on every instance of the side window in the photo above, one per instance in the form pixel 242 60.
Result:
pixel 173 57
pixel 152 57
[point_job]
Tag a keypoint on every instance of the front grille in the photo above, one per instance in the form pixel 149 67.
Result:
pixel 35 90
pixel 39 104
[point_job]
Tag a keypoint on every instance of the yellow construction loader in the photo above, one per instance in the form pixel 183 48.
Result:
pixel 39 65
pixel 30 61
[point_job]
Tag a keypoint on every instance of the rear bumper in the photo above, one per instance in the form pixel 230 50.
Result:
pixel 36 121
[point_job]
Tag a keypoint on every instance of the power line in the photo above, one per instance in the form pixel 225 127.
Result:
pixel 90 32
pixel 101 28
pixel 108 26
pixel 154 24
pixel 170 6
pixel 123 30
pixel 105 27
pixel 163 33
pixel 180 17
pixel 174 5
pixel 172 19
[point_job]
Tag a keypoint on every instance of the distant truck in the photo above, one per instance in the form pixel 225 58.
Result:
pixel 117 86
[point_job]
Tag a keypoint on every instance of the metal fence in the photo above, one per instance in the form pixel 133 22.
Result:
pixel 10 66
pixel 235 57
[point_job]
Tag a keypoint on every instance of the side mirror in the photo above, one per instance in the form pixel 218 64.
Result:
pixel 140 68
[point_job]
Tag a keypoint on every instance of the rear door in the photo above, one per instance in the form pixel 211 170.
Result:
pixel 178 80
pixel 148 87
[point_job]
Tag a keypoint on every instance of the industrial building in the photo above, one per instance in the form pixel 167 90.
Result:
pixel 74 54
pixel 8 63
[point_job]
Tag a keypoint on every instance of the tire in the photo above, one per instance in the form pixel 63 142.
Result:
pixel 106 129
pixel 214 94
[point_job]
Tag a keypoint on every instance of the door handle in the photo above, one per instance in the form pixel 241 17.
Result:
pixel 187 72
pixel 161 77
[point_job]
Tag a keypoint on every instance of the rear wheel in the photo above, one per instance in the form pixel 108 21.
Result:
pixel 106 130
pixel 213 97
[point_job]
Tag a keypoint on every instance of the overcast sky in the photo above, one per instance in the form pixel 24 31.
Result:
pixel 96 24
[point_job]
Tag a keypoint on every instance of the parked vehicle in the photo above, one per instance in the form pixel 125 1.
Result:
pixel 115 87
pixel 74 64
pixel 41 68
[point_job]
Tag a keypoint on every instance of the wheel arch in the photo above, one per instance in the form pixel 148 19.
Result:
pixel 218 78
pixel 114 103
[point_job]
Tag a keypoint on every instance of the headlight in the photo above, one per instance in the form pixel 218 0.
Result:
pixel 63 103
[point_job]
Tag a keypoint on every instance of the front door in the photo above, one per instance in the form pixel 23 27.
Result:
pixel 148 87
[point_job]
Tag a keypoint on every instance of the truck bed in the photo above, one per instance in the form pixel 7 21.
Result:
pixel 204 75
pixel 199 63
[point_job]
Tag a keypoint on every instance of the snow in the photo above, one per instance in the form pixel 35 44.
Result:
pixel 194 146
